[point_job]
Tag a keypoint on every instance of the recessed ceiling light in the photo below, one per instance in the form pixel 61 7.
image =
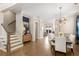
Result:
pixel 75 3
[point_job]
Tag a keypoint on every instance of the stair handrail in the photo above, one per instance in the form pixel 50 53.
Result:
pixel 12 22
pixel 3 27
pixel 8 38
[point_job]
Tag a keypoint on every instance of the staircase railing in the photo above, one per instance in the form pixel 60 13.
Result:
pixel 13 41
pixel 12 22
pixel 4 36
pixel 3 27
pixel 7 39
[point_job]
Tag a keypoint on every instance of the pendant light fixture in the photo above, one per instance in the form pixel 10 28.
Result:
pixel 61 19
pixel 60 15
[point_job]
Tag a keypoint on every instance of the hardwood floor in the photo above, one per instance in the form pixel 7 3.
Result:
pixel 40 48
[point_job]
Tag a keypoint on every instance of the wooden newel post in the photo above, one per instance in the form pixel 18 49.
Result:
pixel 8 43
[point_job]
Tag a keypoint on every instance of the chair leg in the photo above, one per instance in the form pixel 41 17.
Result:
pixel 55 53
pixel 72 51
pixel 52 49
pixel 65 54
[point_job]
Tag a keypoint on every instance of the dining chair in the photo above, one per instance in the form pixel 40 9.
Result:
pixel 60 45
pixel 52 40
pixel 70 45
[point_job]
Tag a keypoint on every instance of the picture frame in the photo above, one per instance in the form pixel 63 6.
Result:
pixel 26 25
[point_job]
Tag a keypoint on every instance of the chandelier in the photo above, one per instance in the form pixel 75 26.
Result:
pixel 61 19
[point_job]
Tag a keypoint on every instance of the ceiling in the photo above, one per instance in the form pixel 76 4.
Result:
pixel 4 6
pixel 46 11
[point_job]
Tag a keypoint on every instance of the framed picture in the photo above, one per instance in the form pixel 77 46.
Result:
pixel 26 25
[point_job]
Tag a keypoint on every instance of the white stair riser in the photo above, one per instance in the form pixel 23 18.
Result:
pixel 15 41
pixel 14 35
pixel 14 38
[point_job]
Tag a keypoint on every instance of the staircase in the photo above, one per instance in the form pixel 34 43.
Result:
pixel 15 42
pixel 10 41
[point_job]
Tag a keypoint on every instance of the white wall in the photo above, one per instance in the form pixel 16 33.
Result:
pixel 37 28
pixel 32 28
pixel 8 18
pixel 1 17
pixel 3 34
pixel 19 23
pixel 1 22
pixel 41 29
pixel 69 26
